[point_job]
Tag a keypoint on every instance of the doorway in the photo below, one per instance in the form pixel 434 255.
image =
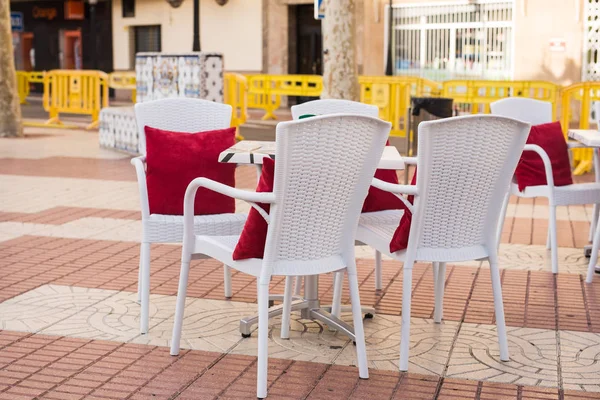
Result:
pixel 70 49
pixel 27 51
pixel 305 44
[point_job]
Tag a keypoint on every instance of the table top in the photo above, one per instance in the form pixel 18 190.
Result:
pixel 589 137
pixel 252 152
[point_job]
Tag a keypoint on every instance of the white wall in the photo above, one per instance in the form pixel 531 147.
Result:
pixel 234 30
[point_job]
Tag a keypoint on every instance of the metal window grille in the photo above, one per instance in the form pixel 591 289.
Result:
pixel 144 39
pixel 454 40
pixel 591 43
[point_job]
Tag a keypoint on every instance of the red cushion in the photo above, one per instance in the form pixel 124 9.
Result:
pixel 254 235
pixel 380 200
pixel 530 170
pixel 400 239
pixel 174 159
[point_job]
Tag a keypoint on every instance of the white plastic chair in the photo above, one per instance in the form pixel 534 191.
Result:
pixel 539 112
pixel 336 106
pixel 321 181
pixel 180 115
pixel 594 224
pixel 464 165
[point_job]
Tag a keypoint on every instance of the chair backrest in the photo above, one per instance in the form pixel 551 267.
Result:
pixel 321 181
pixel 334 106
pixel 181 114
pixel 464 166
pixel 532 111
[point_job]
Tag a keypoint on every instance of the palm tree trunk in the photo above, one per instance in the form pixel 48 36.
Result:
pixel 10 110
pixel 340 75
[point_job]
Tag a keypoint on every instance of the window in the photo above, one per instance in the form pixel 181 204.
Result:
pixel 128 8
pixel 144 39
pixel 454 40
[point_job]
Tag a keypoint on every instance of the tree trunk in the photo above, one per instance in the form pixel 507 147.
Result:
pixel 340 75
pixel 10 110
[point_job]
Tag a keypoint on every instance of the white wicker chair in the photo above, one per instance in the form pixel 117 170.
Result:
pixel 335 106
pixel 594 225
pixel 180 115
pixel 464 165
pixel 540 112
pixel 321 181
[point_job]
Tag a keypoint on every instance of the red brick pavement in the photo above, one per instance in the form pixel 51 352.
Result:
pixel 532 298
pixel 59 368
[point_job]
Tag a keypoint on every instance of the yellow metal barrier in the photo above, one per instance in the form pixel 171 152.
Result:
pixel 579 97
pixel 24 79
pixel 123 80
pixel 75 92
pixel 236 95
pixel 23 86
pixel 476 96
pixel 392 96
pixel 265 91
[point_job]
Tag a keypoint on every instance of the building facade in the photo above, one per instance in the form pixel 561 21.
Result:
pixel 233 29
pixel 51 34
pixel 552 40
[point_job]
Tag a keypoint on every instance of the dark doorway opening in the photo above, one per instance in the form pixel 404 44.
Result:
pixel 305 45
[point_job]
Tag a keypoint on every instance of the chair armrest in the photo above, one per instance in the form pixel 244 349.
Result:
pixel 394 188
pixel 578 145
pixel 410 160
pixel 190 196
pixel 397 190
pixel 140 170
pixel 546 160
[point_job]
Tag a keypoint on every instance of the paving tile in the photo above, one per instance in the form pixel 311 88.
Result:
pixel 429 350
pixel 533 356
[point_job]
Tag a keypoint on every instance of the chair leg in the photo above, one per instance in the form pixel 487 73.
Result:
pixel 227 281
pixel 499 308
pixel 549 239
pixel 594 223
pixel 180 308
pixel 139 290
pixel 144 287
pixel 297 285
pixel 438 312
pixel 378 278
pixel 263 343
pixel 359 333
pixel 553 240
pixel 435 267
pixel 287 307
pixel 406 299
pixel 594 256
pixel 144 247
pixel 338 284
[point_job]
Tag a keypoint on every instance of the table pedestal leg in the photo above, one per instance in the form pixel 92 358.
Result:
pixel 310 308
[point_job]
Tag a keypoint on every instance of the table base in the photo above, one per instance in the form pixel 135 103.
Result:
pixel 310 308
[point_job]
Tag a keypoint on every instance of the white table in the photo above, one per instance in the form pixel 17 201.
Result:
pixel 253 152
pixel 590 138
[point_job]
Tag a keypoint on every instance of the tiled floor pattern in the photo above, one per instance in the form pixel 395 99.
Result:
pixel 539 357
pixel 536 299
pixel 59 368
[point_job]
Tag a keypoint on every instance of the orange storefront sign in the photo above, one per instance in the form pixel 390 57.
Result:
pixel 74 9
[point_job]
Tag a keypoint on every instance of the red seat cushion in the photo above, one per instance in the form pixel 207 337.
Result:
pixel 254 235
pixel 174 159
pixel 530 170
pixel 380 200
pixel 400 238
